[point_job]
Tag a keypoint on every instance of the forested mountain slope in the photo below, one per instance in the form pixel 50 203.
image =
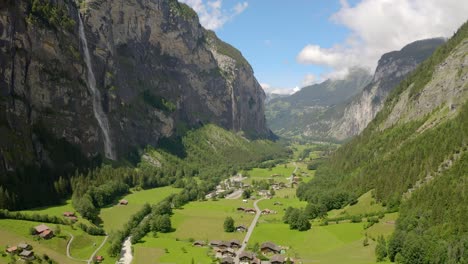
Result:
pixel 414 155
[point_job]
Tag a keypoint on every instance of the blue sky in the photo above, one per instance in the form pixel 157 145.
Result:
pixel 294 43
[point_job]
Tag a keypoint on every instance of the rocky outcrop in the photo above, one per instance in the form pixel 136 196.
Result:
pixel 158 71
pixel 392 68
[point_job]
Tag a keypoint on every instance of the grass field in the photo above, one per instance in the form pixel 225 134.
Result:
pixel 366 204
pixel 14 231
pixel 384 227
pixel 115 217
pixel 335 243
pixel 198 221
pixel 153 250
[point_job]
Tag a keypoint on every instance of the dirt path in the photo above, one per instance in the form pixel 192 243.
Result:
pixel 68 249
pixel 251 229
pixel 90 260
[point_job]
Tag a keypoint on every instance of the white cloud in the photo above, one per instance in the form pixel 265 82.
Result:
pixel 309 79
pixel 380 26
pixel 265 86
pixel 280 90
pixel 211 13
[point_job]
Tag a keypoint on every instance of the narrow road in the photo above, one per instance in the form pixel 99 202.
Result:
pixel 68 249
pixel 90 260
pixel 251 229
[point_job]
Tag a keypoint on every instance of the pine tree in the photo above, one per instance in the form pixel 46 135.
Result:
pixel 381 249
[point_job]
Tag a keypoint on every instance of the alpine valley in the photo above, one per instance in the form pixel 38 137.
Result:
pixel 131 133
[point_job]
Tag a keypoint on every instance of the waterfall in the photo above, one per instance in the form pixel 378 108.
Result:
pixel 97 106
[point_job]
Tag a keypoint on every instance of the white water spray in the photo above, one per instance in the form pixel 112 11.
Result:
pixel 97 107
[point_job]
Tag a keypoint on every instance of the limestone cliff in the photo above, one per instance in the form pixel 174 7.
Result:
pixel 157 70
pixel 392 68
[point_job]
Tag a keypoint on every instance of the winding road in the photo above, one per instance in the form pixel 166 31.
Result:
pixel 251 229
pixel 90 260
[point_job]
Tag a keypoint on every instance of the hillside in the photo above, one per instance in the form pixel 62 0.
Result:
pixel 106 79
pixel 290 116
pixel 413 156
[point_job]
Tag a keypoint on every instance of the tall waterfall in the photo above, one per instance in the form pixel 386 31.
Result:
pixel 97 106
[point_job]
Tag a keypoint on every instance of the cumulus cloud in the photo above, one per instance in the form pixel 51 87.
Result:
pixel 380 26
pixel 211 13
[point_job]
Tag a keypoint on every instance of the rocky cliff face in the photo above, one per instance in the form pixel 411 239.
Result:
pixel 157 70
pixel 304 113
pixel 392 68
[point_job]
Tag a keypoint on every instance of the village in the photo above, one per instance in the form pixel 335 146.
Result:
pixel 227 251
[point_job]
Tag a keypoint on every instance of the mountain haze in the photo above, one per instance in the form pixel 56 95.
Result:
pixel 289 116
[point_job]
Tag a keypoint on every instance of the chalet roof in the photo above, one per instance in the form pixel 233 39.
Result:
pixel 123 201
pixel 241 226
pixel 41 228
pixel 68 214
pixel 46 233
pixel 224 244
pixel 247 254
pixel 23 245
pixel 271 246
pixel 227 260
pixel 11 249
pixel 215 242
pixel 277 258
pixel 234 242
pixel 99 258
pixel 26 253
pixel 199 242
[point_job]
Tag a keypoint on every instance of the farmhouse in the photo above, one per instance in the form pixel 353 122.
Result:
pixel 24 246
pixel 123 202
pixel 41 228
pixel 199 243
pixel 227 260
pixel 11 250
pixel 215 243
pixel 27 255
pixel 246 257
pixel 235 244
pixel 47 234
pixel 241 228
pixel 250 211
pixel 99 259
pixel 68 214
pixel 277 259
pixel 269 247
pixel 268 211
pixel 224 245
pixel 240 209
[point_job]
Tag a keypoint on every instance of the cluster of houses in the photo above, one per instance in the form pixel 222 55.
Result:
pixel 43 231
pixel 23 250
pixel 253 211
pixel 227 251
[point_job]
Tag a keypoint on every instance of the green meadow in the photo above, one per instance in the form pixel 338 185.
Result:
pixel 202 220
pixel 334 243
pixel 115 217
pixel 366 204
pixel 15 231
